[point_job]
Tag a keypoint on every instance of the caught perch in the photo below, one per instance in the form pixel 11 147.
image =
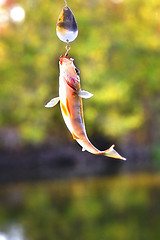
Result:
pixel 70 97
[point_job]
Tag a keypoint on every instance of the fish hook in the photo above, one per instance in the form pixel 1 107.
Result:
pixel 68 47
pixel 65 1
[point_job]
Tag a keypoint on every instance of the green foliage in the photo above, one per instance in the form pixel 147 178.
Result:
pixel 117 52
pixel 120 208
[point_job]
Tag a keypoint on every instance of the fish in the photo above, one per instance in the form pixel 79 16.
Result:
pixel 70 98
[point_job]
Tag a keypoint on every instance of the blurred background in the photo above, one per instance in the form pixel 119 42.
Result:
pixel 49 188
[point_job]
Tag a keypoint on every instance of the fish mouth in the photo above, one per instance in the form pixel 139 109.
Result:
pixel 64 58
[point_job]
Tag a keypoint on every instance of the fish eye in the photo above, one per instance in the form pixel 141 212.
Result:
pixel 77 71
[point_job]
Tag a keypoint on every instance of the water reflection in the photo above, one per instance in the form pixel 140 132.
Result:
pixel 12 232
pixel 120 208
pixel 3 236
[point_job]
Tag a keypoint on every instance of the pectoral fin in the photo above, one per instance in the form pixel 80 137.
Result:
pixel 84 94
pixel 52 102
pixel 112 153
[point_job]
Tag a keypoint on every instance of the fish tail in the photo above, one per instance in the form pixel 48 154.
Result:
pixel 110 152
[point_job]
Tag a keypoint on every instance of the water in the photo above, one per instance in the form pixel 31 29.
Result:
pixel 12 232
pixel 121 208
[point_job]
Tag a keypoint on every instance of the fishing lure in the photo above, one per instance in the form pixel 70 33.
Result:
pixel 70 93
pixel 66 28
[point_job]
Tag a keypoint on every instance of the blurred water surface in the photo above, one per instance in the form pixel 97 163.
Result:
pixel 114 208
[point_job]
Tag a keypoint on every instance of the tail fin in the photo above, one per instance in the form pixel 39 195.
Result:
pixel 112 153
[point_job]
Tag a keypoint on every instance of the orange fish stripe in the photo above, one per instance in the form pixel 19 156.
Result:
pixel 64 109
pixel 68 108
pixel 74 136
